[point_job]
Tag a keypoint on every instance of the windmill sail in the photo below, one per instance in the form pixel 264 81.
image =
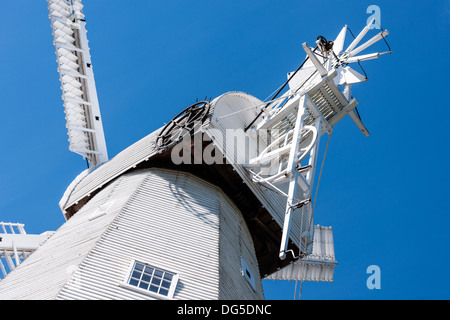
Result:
pixel 79 94
pixel 146 225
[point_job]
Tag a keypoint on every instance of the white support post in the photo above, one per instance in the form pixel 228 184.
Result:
pixel 2 268
pixel 16 255
pixel 21 228
pixel 292 170
pixel 352 113
pixel 320 68
pixel 9 261
pixel 311 173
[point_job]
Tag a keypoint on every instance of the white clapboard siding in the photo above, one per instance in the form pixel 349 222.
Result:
pixel 168 219
pixel 43 273
pixel 172 222
pixel 236 244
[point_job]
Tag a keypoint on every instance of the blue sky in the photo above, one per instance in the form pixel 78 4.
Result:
pixel 386 196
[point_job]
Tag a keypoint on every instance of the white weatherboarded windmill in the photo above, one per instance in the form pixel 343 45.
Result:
pixel 202 208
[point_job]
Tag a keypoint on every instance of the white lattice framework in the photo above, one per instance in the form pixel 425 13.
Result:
pixel 16 245
pixel 79 94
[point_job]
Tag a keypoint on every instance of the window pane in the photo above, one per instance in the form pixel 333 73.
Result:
pixel 149 270
pixel 167 276
pixel 143 285
pixel 158 273
pixel 136 274
pixel 146 277
pixel 134 282
pixel 138 266
pixel 163 292
pixel 153 288
pixel 165 284
pixel 156 281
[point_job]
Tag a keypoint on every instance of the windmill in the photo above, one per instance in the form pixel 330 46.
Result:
pixel 204 207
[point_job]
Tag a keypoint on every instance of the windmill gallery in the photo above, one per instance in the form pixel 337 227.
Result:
pixel 226 309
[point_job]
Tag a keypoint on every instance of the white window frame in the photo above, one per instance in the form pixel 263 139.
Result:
pixel 172 287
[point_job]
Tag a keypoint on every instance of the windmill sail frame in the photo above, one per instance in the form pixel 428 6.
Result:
pixel 79 93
